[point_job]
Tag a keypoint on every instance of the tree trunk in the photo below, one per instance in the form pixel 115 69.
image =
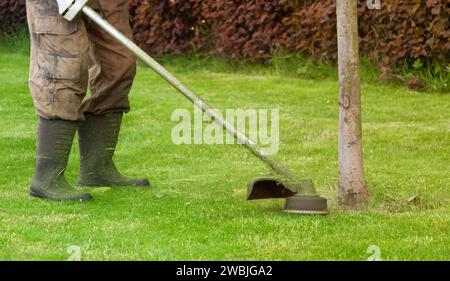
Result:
pixel 353 192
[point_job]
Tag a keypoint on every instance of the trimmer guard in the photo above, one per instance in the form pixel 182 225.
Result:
pixel 266 188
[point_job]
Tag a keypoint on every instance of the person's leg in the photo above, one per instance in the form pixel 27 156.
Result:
pixel 111 75
pixel 112 66
pixel 58 82
pixel 55 139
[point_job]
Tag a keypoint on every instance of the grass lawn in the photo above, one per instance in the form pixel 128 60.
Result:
pixel 196 207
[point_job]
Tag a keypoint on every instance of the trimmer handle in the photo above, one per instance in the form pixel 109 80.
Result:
pixel 69 9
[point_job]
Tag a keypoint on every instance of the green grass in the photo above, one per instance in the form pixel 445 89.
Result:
pixel 196 207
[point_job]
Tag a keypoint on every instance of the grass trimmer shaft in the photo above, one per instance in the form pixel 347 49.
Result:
pixel 284 187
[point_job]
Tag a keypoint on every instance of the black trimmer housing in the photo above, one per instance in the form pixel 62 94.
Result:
pixel 300 196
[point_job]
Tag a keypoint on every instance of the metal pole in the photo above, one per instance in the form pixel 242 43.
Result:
pixel 166 75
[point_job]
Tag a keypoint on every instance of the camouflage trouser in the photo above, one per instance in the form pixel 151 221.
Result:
pixel 66 56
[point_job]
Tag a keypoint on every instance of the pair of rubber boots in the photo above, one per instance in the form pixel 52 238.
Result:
pixel 97 138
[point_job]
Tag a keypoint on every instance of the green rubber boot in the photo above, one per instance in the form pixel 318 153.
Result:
pixel 55 139
pixel 97 138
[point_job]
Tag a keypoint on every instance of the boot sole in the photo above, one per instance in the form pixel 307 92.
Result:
pixel 40 196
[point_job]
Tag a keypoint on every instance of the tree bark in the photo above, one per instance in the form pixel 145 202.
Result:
pixel 353 193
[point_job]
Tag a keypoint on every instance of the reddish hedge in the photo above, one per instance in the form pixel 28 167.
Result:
pixel 12 14
pixel 406 30
pixel 402 31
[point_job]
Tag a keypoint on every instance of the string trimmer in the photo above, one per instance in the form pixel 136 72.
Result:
pixel 301 194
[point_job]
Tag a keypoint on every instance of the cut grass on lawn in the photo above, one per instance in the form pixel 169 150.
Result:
pixel 196 207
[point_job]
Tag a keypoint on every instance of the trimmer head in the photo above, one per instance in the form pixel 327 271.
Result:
pixel 301 196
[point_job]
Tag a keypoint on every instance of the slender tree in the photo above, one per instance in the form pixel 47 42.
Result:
pixel 353 193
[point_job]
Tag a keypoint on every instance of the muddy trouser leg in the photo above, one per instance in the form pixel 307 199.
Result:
pixel 59 61
pixel 58 81
pixel 112 70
